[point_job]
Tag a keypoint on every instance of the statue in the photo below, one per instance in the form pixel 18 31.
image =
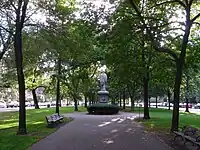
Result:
pixel 103 106
pixel 103 80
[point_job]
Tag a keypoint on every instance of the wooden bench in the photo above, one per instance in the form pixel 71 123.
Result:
pixel 54 119
pixel 188 134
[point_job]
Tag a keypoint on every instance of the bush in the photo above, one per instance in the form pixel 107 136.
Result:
pixel 103 109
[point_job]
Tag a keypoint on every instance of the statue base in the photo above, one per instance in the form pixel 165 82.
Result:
pixel 103 96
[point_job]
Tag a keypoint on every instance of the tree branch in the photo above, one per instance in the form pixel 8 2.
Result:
pixel 136 8
pixel 174 1
pixel 151 37
pixel 196 17
pixel 23 16
pixel 11 3
pixel 94 72
pixel 196 23
pixel 7 30
pixel 29 16
pixel 34 25
pixel 41 86
pixel 190 3
pixel 1 36
pixel 166 50
pixel 5 44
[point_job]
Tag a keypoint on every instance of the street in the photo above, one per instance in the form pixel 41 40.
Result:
pixel 17 108
pixel 192 110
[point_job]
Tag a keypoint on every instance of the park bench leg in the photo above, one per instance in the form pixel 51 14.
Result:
pixel 50 125
pixel 185 142
pixel 61 120
pixel 176 136
pixel 57 122
pixel 193 144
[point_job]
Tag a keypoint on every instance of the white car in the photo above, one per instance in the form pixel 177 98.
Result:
pixel 2 104
pixel 13 104
pixel 197 106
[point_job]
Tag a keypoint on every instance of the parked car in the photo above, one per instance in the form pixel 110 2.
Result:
pixel 189 105
pixel 28 104
pixel 12 104
pixel 183 105
pixel 2 104
pixel 197 106
pixel 171 105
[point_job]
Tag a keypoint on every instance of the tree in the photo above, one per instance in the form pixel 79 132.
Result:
pixel 87 74
pixel 6 28
pixel 130 57
pixel 34 69
pixel 59 63
pixel 146 21
pixel 20 11
pixel 5 42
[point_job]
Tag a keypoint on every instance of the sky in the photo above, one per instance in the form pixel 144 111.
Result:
pixel 40 17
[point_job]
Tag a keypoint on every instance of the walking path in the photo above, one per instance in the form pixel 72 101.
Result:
pixel 93 132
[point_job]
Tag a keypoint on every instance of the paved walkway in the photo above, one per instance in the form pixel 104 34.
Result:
pixel 93 132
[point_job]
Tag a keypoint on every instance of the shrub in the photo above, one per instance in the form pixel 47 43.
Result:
pixel 103 109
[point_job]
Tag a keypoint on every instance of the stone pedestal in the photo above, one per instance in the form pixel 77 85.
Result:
pixel 103 96
pixel 103 107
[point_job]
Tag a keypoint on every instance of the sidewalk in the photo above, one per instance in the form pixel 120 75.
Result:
pixel 88 132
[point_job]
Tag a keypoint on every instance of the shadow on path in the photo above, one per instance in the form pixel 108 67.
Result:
pixel 95 132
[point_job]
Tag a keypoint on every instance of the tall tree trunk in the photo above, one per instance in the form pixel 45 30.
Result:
pixel 35 99
pixel 175 117
pixel 21 82
pixel 124 100
pixel 19 61
pixel 131 92
pixel 169 99
pixel 146 108
pixel 61 98
pixel 132 102
pixel 90 102
pixel 149 101
pixel 75 104
pixel 187 93
pixel 179 71
pixel 113 101
pixel 120 100
pixel 90 98
pixel 58 87
pixel 145 83
pixel 93 100
pixel 67 102
pixel 85 100
pixel 156 101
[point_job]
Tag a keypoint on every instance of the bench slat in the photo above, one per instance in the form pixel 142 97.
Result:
pixel 54 118
pixel 189 134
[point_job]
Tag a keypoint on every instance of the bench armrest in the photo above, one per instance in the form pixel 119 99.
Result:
pixel 189 133
pixel 198 138
pixel 180 128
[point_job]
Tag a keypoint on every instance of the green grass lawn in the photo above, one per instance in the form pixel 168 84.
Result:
pixel 161 119
pixel 36 127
